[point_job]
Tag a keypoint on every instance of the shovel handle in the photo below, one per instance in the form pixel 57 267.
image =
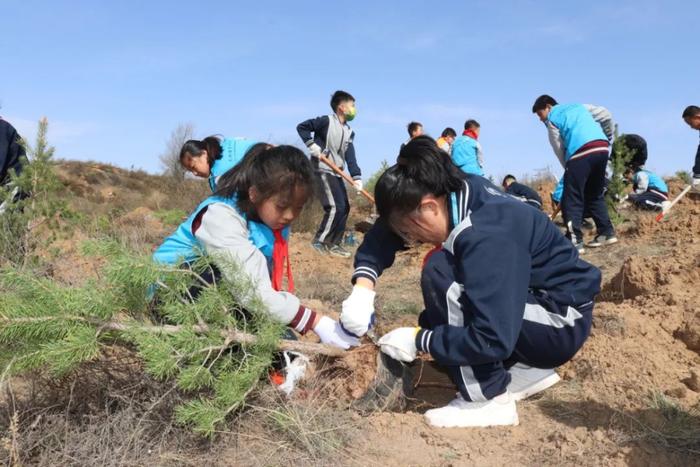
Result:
pixel 556 211
pixel 345 176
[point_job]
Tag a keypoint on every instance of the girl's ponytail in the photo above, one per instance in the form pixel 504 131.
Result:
pixel 195 147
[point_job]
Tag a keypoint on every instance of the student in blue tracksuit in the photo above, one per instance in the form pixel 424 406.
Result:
pixel 212 157
pixel 555 197
pixel 580 136
pixel 650 192
pixel 331 136
pixel 691 116
pixel 523 192
pixel 507 298
pixel 12 160
pixel 466 150
pixel 243 226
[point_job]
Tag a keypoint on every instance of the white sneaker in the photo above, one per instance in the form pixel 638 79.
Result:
pixel 459 413
pixel 526 381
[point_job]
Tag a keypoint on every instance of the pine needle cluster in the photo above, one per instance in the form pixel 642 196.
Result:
pixel 619 158
pixel 48 327
pixel 29 200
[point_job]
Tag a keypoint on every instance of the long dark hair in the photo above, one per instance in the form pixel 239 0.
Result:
pixel 195 147
pixel 422 168
pixel 272 170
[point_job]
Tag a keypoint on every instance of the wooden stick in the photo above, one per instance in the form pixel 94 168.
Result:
pixel 230 335
pixel 239 337
pixel 345 176
pixel 556 211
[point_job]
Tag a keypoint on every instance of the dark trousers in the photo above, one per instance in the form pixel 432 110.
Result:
pixel 550 335
pixel 584 186
pixel 649 200
pixel 336 207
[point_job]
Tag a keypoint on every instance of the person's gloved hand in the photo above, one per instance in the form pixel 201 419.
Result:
pixel 357 316
pixel 400 344
pixel 359 185
pixel 330 332
pixel 695 182
pixel 315 150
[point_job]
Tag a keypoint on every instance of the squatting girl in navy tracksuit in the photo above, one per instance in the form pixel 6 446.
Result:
pixel 246 222
pixel 507 298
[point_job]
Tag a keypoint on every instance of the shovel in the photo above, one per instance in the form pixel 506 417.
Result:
pixel 362 226
pixel 661 215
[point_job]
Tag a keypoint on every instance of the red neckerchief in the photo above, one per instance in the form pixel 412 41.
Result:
pixel 471 134
pixel 280 255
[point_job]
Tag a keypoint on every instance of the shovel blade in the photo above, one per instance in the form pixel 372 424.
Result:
pixel 389 391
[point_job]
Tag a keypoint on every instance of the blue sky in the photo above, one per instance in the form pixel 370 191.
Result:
pixel 114 78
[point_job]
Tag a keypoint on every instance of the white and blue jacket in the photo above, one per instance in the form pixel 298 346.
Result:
pixel 232 151
pixel 237 246
pixel 571 126
pixel 502 248
pixel 467 155
pixel 183 247
pixel 645 180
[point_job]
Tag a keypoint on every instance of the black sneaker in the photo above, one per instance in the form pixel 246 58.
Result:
pixel 579 247
pixel 339 251
pixel 602 240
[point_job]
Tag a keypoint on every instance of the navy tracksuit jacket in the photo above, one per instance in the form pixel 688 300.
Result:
pixel 525 193
pixel 507 287
pixel 11 152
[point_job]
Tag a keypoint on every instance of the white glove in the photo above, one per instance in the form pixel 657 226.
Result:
pixel 315 150
pixel 400 344
pixel 358 311
pixel 695 182
pixel 330 332
pixel 358 185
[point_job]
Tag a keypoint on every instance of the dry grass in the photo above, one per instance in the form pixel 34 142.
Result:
pixel 310 429
pixel 310 217
pixel 108 413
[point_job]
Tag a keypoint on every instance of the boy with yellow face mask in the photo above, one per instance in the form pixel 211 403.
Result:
pixel 331 136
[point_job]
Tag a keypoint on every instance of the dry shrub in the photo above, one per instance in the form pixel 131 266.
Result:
pixel 310 217
pixel 105 413
pixel 108 413
pixel 310 428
